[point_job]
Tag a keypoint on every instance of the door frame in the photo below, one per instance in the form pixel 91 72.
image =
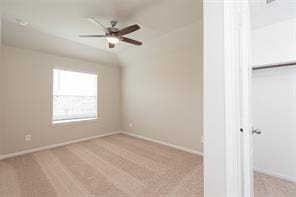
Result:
pixel 227 66
pixel 246 101
pixel 238 71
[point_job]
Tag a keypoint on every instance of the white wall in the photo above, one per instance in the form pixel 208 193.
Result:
pixel 162 88
pixel 274 111
pixel 273 99
pixel 274 43
pixel 27 94
pixel 1 107
pixel 214 101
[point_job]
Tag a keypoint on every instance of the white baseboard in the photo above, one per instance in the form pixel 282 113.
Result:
pixel 5 156
pixel 164 143
pixel 274 174
pixel 10 155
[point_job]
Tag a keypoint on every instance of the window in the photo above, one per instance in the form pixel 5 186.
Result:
pixel 74 96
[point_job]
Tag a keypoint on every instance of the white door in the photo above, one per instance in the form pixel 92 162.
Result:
pixel 245 101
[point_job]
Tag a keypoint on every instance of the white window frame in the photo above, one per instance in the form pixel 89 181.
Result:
pixel 72 120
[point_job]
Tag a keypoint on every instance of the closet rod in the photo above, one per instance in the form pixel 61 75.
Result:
pixel 274 65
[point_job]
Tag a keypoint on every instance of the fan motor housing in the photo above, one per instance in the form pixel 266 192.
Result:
pixel 113 29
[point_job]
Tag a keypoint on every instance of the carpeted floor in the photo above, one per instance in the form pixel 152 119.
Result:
pixel 268 186
pixel 117 165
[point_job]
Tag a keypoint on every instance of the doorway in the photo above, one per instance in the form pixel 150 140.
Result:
pixel 274 147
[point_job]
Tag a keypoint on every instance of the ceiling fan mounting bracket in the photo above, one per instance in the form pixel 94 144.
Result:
pixel 113 23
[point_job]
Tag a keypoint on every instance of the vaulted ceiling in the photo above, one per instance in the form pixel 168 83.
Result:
pixel 53 20
pixel 54 25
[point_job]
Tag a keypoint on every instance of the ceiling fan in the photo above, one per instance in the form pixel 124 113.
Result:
pixel 113 34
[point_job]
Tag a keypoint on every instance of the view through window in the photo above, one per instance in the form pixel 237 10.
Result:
pixel 74 96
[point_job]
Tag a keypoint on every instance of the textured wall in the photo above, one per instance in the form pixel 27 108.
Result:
pixel 27 94
pixel 162 88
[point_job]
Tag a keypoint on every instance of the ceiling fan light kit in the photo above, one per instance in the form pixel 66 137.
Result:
pixel 113 40
pixel 113 34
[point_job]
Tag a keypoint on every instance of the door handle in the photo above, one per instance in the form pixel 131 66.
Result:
pixel 256 131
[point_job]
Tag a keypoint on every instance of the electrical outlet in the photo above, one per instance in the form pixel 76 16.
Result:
pixel 130 125
pixel 28 138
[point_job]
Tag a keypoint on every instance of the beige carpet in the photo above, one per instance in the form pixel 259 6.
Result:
pixel 268 186
pixel 117 165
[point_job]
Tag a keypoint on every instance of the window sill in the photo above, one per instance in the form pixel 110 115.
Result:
pixel 75 121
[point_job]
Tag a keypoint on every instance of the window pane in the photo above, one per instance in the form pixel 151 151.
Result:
pixel 74 83
pixel 74 95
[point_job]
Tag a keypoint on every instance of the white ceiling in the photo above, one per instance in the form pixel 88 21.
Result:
pixel 263 14
pixel 67 19
pixel 55 24
pixel 23 37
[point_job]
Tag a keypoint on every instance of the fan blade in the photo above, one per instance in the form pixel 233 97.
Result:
pixel 97 22
pixel 111 45
pixel 129 29
pixel 131 41
pixel 93 36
